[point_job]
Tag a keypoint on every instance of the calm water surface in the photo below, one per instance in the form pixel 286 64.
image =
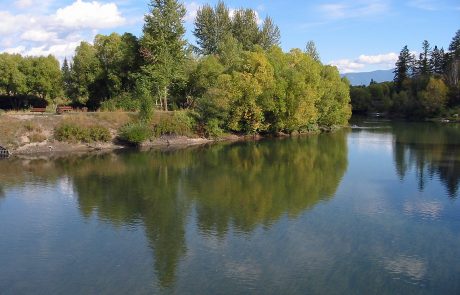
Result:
pixel 371 210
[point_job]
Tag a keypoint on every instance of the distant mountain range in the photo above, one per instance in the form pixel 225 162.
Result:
pixel 366 77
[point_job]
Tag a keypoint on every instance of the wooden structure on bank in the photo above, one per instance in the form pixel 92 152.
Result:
pixel 4 153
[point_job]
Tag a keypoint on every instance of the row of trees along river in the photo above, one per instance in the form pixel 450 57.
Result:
pixel 427 86
pixel 236 79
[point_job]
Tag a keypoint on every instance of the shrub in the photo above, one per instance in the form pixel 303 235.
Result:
pixel 213 129
pixel 135 133
pixel 180 123
pixel 71 132
pixel 99 133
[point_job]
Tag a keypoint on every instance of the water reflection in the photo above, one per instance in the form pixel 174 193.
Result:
pixel 239 187
pixel 431 149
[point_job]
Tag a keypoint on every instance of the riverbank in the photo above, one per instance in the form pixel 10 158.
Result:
pixel 31 134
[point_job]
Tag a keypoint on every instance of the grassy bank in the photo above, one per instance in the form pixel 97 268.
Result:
pixel 26 133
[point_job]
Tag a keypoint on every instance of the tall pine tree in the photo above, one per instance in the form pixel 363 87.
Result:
pixel 163 46
pixel 437 61
pixel 423 64
pixel 66 77
pixel 404 67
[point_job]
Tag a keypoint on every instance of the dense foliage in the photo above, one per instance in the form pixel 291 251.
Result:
pixel 238 79
pixel 427 86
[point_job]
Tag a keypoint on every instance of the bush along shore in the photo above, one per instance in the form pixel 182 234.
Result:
pixel 25 133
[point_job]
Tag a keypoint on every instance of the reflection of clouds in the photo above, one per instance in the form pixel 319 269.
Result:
pixel 373 207
pixel 412 267
pixel 375 142
pixel 430 210
pixel 242 271
pixel 65 186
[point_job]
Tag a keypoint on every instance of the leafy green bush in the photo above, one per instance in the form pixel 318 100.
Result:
pixel 135 133
pixel 213 129
pixel 71 132
pixel 99 133
pixel 180 123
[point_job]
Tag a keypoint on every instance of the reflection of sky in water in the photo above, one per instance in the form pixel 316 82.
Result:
pixel 368 141
pixel 412 267
pixel 424 209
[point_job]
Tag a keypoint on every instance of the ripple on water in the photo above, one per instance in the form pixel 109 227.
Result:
pixel 423 209
pixel 409 268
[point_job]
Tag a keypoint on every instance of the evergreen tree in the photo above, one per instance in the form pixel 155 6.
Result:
pixel 454 46
pixel 163 46
pixel 312 51
pixel 423 65
pixel 270 34
pixel 404 67
pixel 66 77
pixel 437 61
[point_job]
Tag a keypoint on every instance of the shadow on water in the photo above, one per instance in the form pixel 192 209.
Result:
pixel 239 187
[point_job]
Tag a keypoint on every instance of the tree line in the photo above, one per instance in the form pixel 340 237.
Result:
pixel 423 86
pixel 237 78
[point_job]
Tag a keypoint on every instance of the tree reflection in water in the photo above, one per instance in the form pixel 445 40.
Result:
pixel 239 186
pixel 431 149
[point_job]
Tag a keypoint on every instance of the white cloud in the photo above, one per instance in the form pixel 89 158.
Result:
pixel 36 30
pixel 14 50
pixel 424 4
pixel 353 9
pixel 383 61
pixel 347 65
pixel 378 59
pixel 11 23
pixel 93 15
pixel 38 35
pixel 192 10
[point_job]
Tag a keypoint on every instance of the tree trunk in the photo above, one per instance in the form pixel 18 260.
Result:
pixel 165 97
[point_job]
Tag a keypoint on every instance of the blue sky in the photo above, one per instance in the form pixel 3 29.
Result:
pixel 354 35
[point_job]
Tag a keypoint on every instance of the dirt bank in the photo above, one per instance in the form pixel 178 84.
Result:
pixel 30 134
pixel 33 134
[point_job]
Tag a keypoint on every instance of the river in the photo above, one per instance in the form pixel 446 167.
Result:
pixel 369 210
